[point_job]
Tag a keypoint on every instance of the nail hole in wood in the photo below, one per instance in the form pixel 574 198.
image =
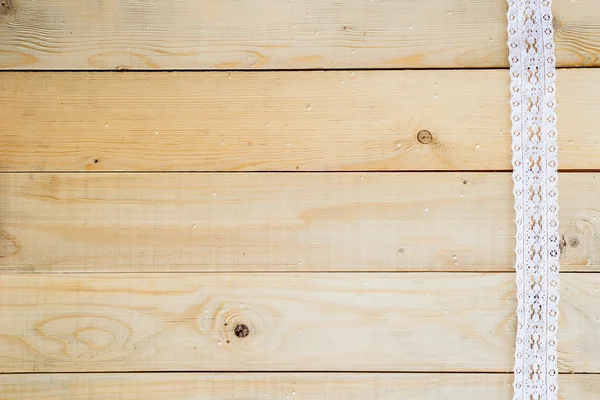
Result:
pixel 96 161
pixel 241 331
pixel 424 137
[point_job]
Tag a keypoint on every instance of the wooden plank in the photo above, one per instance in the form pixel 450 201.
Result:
pixel 429 322
pixel 279 121
pixel 278 222
pixel 259 34
pixel 297 386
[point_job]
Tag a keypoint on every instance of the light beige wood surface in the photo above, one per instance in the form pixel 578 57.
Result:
pixel 260 34
pixel 361 120
pixel 293 322
pixel 297 386
pixel 442 327
pixel 279 222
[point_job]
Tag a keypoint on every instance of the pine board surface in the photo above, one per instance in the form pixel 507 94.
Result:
pixel 151 222
pixel 286 121
pixel 281 322
pixel 297 386
pixel 261 34
pixel 451 335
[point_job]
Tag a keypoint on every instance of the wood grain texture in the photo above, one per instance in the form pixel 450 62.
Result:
pixel 293 322
pixel 260 34
pixel 279 222
pixel 298 386
pixel 288 121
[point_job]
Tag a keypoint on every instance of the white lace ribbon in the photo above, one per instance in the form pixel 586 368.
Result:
pixel 535 176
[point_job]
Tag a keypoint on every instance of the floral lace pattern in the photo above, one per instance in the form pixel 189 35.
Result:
pixel 535 176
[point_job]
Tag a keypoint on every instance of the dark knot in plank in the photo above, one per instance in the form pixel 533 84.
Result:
pixel 241 331
pixel 424 137
pixel 7 7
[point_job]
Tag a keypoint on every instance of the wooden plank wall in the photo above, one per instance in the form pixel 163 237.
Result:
pixel 336 224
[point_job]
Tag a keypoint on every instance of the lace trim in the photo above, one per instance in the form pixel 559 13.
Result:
pixel 535 176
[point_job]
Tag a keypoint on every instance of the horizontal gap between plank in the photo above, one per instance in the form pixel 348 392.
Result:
pixel 280 69
pixel 250 172
pixel 244 172
pixel 274 372
pixel 387 171
pixel 124 71
pixel 270 272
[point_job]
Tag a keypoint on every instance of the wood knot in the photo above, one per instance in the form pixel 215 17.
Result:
pixel 424 137
pixel 574 242
pixel 6 7
pixel 241 331
pixel 569 240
